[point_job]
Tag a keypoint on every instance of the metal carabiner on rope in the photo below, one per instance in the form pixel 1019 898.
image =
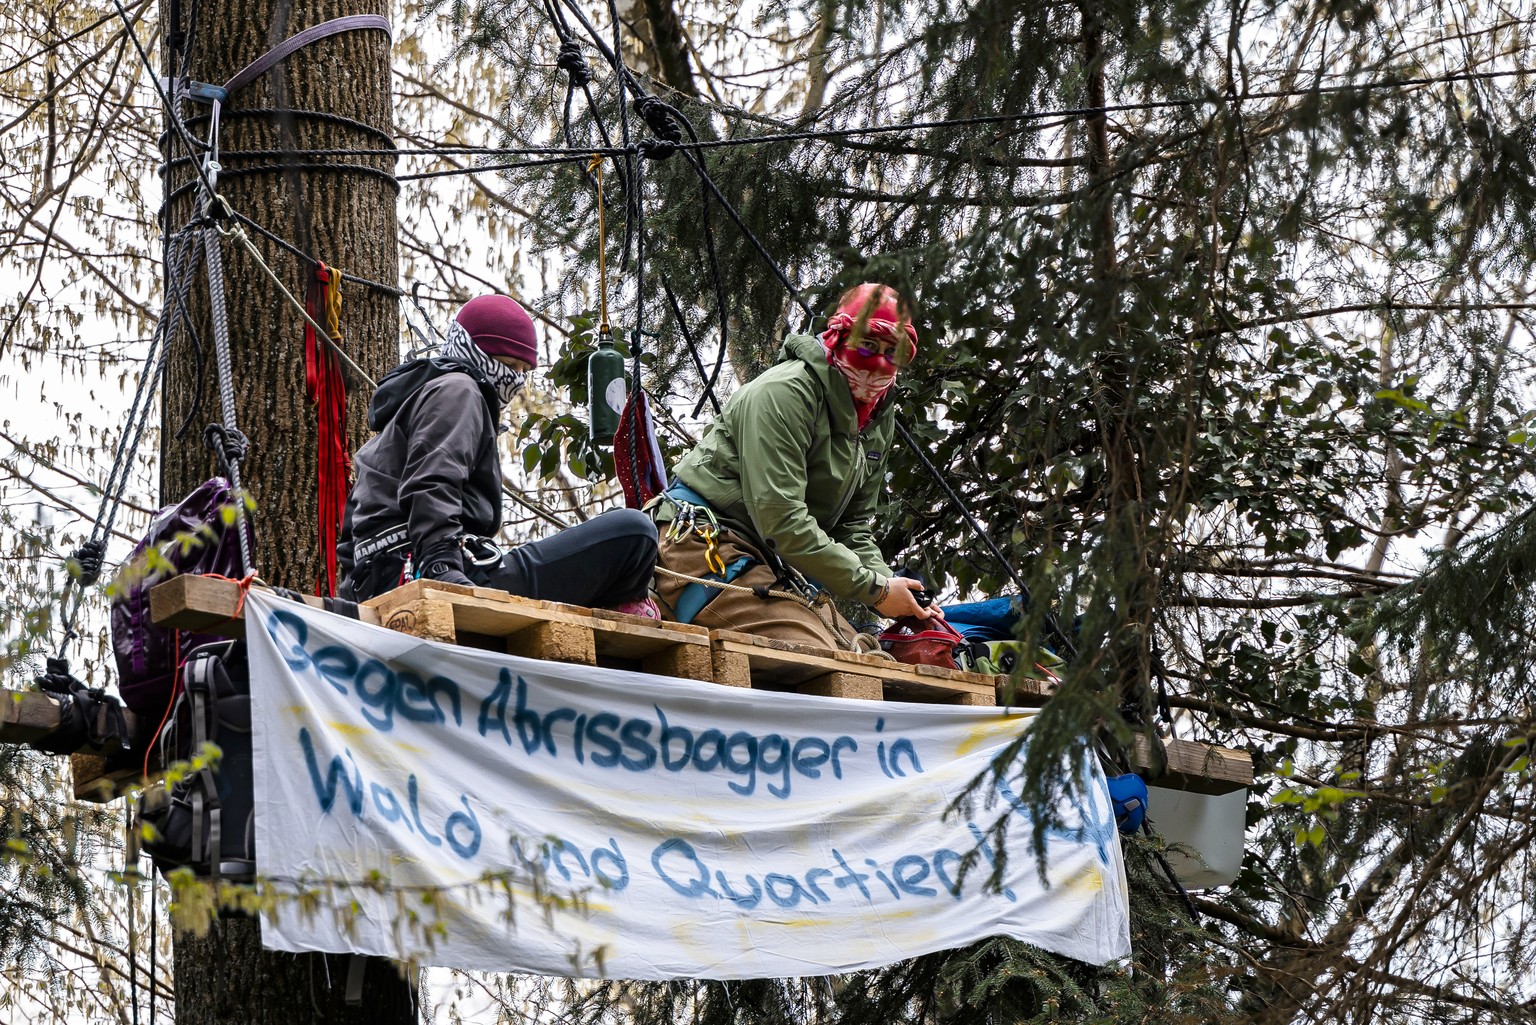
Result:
pixel 480 551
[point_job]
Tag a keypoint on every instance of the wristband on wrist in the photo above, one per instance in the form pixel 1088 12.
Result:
pixel 882 592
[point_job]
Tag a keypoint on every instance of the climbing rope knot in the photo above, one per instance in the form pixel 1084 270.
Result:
pixel 56 678
pixel 227 443
pixel 573 63
pixel 655 149
pixel 661 118
pixel 85 563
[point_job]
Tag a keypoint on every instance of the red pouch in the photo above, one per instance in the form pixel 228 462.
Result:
pixel 922 642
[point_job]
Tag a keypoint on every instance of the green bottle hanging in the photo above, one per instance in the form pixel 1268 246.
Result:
pixel 606 389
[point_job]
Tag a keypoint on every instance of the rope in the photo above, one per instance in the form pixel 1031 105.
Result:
pixel 220 315
pixel 238 234
pixel 295 112
pixel 131 875
pixel 1109 108
pixel 89 556
pixel 618 64
pixel 511 166
pixel 602 249
pixel 165 98
pixel 332 168
pixel 768 592
pixel 282 243
pixel 693 350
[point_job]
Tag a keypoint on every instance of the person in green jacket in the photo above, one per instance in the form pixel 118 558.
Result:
pixel 778 497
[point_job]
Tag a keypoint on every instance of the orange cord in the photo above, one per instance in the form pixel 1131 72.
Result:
pixel 170 704
pixel 245 588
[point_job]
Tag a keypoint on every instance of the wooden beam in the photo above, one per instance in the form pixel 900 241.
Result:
pixel 1193 767
pixel 211 605
pixel 28 715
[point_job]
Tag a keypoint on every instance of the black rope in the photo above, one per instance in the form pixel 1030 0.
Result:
pixel 570 51
pixel 573 152
pixel 165 99
pixel 623 73
pixel 576 158
pixel 664 117
pixel 229 445
pixel 632 199
pixel 86 561
pixel 693 349
pixel 280 113
pixel 833 134
pixel 131 875
pixel 574 63
pixel 1109 108
pixel 294 250
pixel 259 169
pixel 154 944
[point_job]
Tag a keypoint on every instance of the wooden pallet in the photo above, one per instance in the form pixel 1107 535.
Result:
pixel 492 619
pixel 483 617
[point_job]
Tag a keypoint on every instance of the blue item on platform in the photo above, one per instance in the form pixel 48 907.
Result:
pixel 992 620
pixel 1129 794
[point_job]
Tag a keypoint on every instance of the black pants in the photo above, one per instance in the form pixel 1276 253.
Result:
pixel 607 560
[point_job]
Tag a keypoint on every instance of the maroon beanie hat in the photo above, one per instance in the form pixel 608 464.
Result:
pixel 500 327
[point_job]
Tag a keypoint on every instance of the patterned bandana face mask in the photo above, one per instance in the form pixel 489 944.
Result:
pixel 458 345
pixel 869 376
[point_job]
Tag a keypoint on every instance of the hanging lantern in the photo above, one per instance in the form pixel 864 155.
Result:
pixel 606 389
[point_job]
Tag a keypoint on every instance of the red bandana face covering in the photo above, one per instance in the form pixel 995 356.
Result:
pixel 869 374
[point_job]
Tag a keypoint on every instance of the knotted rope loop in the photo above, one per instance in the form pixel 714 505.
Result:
pixel 85 562
pixel 655 149
pixel 574 63
pixel 228 444
pixel 660 117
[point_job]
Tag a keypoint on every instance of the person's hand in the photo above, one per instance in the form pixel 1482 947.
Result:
pixel 901 600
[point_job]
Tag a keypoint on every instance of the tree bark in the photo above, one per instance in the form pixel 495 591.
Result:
pixel 348 220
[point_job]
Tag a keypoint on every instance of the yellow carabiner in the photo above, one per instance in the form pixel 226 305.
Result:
pixel 712 557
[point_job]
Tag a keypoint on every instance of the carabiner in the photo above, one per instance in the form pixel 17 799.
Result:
pixel 479 551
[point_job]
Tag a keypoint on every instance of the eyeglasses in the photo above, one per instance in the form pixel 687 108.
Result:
pixel 896 352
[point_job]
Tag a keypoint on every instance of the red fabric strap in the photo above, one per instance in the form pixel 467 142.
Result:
pixel 326 388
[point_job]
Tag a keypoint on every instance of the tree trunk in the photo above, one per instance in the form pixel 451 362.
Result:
pixel 343 218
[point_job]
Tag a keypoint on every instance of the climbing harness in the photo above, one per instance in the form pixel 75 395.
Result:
pixel 818 601
pixel 693 517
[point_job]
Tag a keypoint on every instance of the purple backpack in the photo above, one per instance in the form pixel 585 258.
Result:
pixel 194 536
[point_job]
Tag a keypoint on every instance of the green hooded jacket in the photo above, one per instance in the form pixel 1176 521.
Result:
pixel 785 465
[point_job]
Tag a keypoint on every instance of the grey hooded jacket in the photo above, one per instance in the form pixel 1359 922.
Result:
pixel 433 465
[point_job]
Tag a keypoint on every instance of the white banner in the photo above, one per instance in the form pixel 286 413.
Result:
pixel 461 807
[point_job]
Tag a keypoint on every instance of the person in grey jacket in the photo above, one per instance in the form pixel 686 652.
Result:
pixel 427 500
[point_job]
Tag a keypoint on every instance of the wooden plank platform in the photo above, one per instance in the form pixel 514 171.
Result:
pixel 487 618
pixel 492 619
pixel 99 774
pixel 1193 766
pixel 746 660
pixel 28 715
pixel 211 605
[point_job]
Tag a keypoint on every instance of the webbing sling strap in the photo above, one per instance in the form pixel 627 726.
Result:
pixel 351 23
pixel 266 62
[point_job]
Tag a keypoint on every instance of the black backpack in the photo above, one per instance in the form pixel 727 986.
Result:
pixel 204 821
